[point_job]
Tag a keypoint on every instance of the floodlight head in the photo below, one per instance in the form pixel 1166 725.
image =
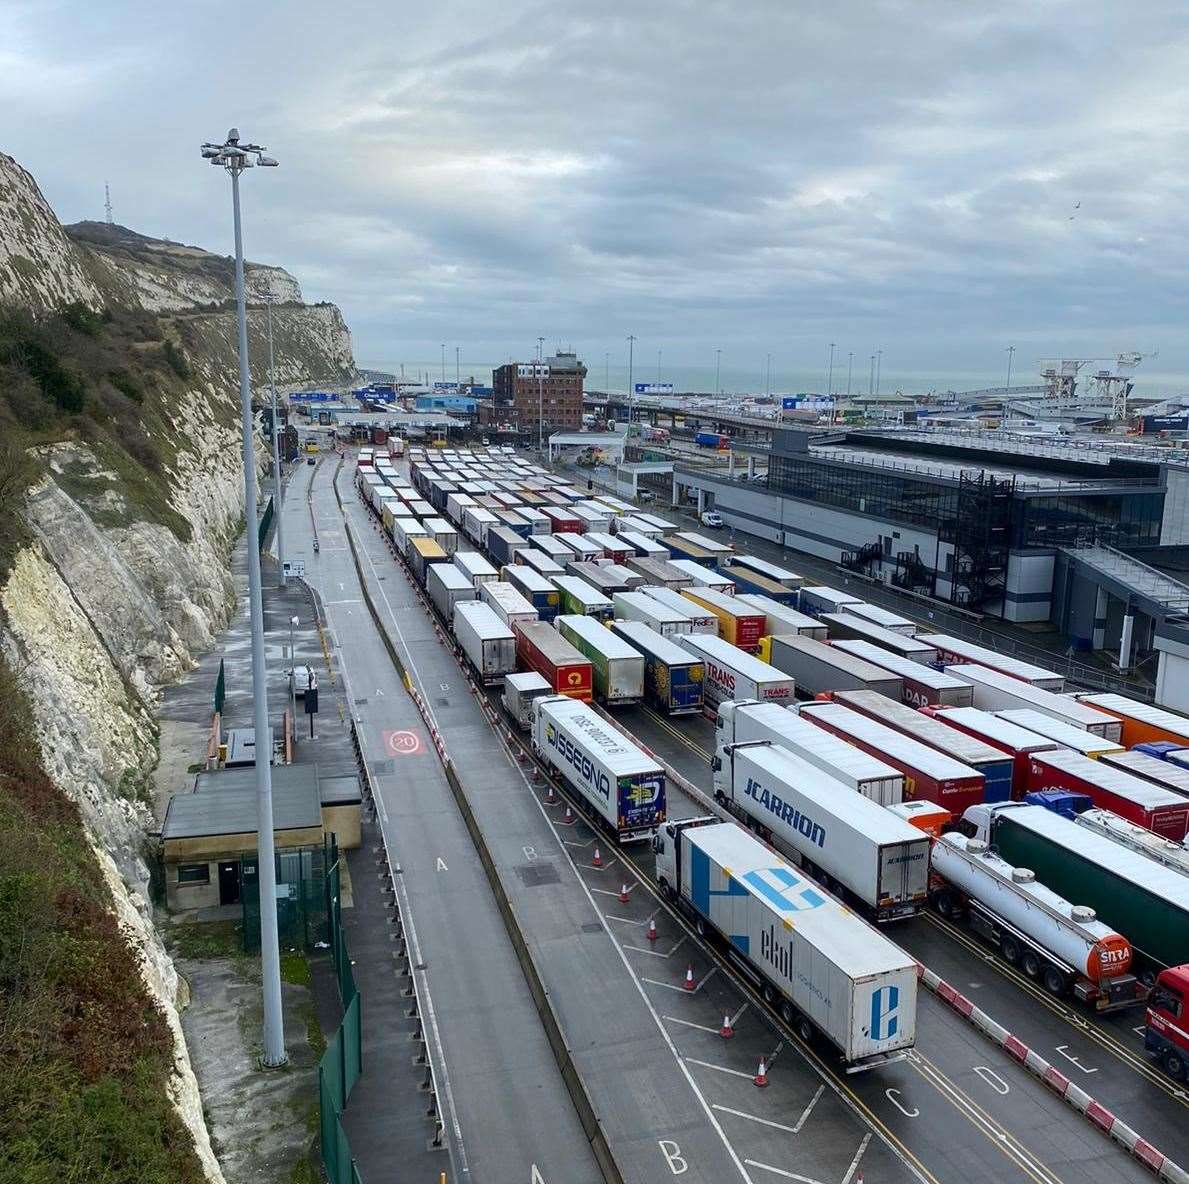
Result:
pixel 266 162
pixel 233 135
pixel 209 152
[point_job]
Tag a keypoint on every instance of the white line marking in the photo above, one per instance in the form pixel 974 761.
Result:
pixel 780 1126
pixel 821 1089
pixel 736 1017
pixel 854 1163
pixel 686 1023
pixel 718 1068
pixel 657 953
pixel 767 1167
pixel 628 920
pixel 671 987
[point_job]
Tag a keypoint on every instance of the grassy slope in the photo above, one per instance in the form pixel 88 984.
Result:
pixel 84 1054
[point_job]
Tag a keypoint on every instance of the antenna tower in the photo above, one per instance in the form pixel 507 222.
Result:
pixel 107 202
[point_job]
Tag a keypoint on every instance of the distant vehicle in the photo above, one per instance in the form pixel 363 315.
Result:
pixel 643 496
pixel 311 461
pixel 302 677
pixel 711 518
pixel 486 441
pixel 712 440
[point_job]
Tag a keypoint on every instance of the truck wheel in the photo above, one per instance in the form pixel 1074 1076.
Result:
pixel 1174 1064
pixel 805 1030
pixel 1031 964
pixel 943 903
pixel 700 926
pixel 667 891
pixel 788 1012
pixel 768 995
pixel 1010 949
pixel 1054 981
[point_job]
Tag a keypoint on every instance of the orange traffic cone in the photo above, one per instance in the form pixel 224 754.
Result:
pixel 689 978
pixel 761 1077
pixel 651 929
pixel 568 817
pixel 726 1031
pixel 624 897
pixel 598 859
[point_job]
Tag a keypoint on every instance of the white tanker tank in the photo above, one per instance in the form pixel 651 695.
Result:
pixel 1064 945
pixel 1136 838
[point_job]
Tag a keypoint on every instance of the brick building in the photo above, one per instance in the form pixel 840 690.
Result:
pixel 554 386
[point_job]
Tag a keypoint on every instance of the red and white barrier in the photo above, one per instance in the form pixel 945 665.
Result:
pixel 1099 1115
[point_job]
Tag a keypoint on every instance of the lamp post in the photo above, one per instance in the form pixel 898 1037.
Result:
pixel 457 370
pixel 278 493
pixel 631 384
pixel 717 371
pixel 878 367
pixel 443 361
pixel 1011 349
pixel 293 623
pixel 540 394
pixel 871 382
pixel 830 378
pixel 235 157
pixel 850 364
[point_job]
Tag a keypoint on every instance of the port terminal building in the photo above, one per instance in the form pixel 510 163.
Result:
pixel 1012 527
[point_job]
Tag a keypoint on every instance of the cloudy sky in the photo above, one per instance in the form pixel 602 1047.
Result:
pixel 753 176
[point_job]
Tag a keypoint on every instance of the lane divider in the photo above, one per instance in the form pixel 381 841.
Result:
pixel 1105 1120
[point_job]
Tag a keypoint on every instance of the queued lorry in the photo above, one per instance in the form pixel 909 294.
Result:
pixel 738 622
pixel 701 620
pixel 745 720
pixel 848 843
pixel 541 648
pixel 577 596
pixel 781 620
pixel 929 774
pixel 446 586
pixel 1145 902
pixel 488 643
pixel 1159 810
pixel 733 674
pixel 1059 942
pixel 1017 742
pixel 995 765
pixel 673 678
pixel 617 668
pixel 622 783
pixel 1142 723
pixel 922 685
pixel 820 668
pixel 957 651
pixel 822 967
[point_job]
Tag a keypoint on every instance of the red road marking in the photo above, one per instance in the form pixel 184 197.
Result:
pixel 403 743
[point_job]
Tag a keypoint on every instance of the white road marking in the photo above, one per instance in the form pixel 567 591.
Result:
pixel 736 1017
pixel 1070 1057
pixel 718 1068
pixel 767 1167
pixel 657 953
pixel 671 987
pixel 821 1089
pixel 780 1126
pixel 628 920
pixel 854 1163
pixel 686 1023
pixel 442 865
pixel 993 1079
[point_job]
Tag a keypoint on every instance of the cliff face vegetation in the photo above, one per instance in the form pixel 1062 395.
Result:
pixel 120 498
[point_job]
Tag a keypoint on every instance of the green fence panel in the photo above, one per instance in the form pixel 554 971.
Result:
pixel 327 1121
pixel 343 1156
pixel 352 1044
pixel 265 523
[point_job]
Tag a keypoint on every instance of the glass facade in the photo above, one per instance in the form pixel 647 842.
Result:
pixel 1121 519
pixel 897 497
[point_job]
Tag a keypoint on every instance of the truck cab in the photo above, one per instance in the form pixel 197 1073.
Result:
pixel 1167 1031
pixel 666 845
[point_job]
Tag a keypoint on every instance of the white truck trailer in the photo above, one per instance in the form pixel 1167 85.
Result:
pixel 745 720
pixel 519 692
pixel 490 646
pixel 733 674
pixel 846 841
pixel 621 782
pixel 701 620
pixel 446 586
pixel 819 964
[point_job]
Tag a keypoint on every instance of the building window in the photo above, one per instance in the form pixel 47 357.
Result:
pixel 194 873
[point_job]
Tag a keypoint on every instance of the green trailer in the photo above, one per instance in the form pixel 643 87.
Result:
pixel 618 669
pixel 1146 902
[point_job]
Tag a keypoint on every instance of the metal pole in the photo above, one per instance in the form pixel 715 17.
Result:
pixel 878 367
pixel 717 371
pixel 850 362
pixel 1011 349
pixel 443 361
pixel 292 681
pixel 276 457
pixel 631 383
pixel 270 951
pixel 658 367
pixel 457 372
pixel 541 394
pixel 871 383
pixel 830 379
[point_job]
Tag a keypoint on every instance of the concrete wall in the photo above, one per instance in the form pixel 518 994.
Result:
pixel 1174 526
pixel 1172 670
pixel 343 823
pixel 1029 586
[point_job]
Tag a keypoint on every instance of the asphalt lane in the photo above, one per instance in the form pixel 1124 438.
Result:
pixel 957 1082
pixel 506 1106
